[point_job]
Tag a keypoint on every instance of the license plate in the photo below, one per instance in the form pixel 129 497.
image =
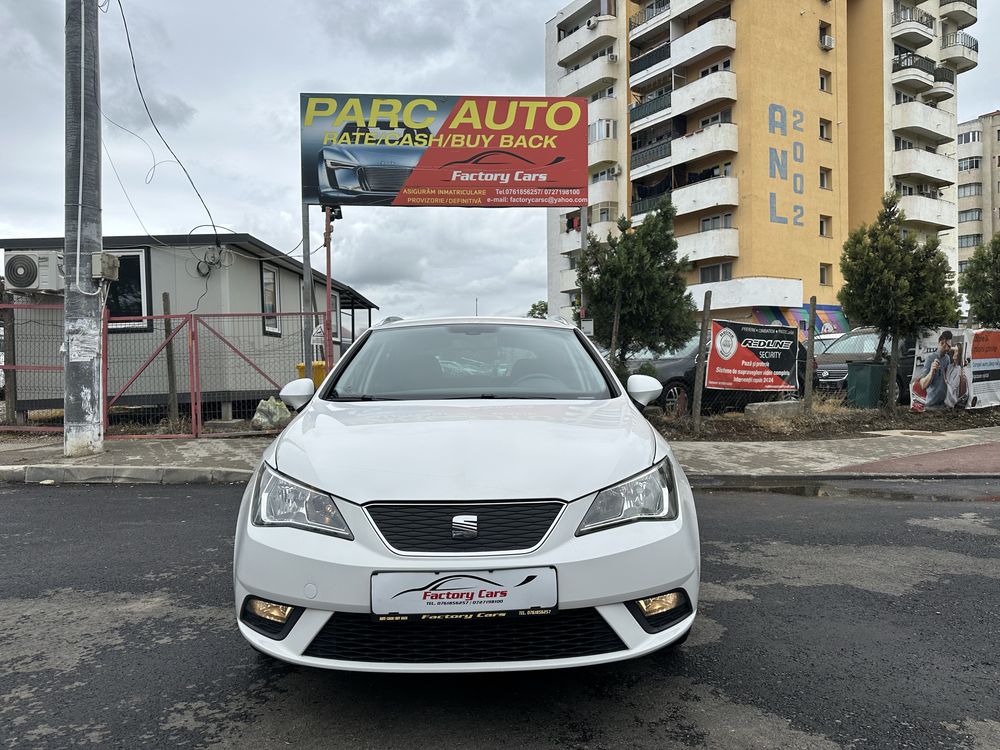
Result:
pixel 457 593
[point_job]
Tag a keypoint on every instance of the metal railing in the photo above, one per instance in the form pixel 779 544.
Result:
pixel 912 60
pixel 944 75
pixel 647 204
pixel 649 59
pixel 649 107
pixel 648 13
pixel 649 154
pixel 904 15
pixel 973 3
pixel 960 38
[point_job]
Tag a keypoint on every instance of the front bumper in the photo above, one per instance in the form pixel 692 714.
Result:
pixel 600 571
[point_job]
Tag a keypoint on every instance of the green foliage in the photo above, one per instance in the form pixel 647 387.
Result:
pixel 646 368
pixel 640 271
pixel 539 309
pixel 893 283
pixel 981 283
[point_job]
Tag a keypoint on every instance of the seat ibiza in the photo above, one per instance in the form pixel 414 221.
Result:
pixel 467 495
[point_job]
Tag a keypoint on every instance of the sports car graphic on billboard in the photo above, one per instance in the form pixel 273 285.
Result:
pixel 443 151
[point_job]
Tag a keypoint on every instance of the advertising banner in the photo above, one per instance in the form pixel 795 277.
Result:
pixel 967 374
pixel 748 357
pixel 985 369
pixel 404 150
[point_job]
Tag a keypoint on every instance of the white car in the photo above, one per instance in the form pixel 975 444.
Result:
pixel 520 514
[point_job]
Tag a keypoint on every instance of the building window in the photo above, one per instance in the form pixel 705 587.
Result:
pixel 129 296
pixel 902 144
pixel 825 130
pixel 903 98
pixel 725 115
pixel 719 221
pixel 826 178
pixel 718 272
pixel 601 130
pixel 969 189
pixel 825 274
pixel 608 93
pixel 973 162
pixel 826 226
pixel 825 81
pixel 973 214
pixel 726 64
pixel 962 265
pixel 973 136
pixel 970 240
pixel 602 53
pixel 603 176
pixel 270 299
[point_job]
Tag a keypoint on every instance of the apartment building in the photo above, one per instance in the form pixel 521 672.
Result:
pixel 978 183
pixel 775 127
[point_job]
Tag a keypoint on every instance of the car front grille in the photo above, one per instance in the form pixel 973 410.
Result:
pixel 387 179
pixel 499 526
pixel 563 635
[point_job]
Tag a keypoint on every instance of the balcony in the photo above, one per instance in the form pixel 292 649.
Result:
pixel 944 85
pixel 723 137
pixel 962 13
pixel 912 71
pixel 602 229
pixel 654 157
pixel 711 193
pixel 715 243
pixel 649 108
pixel 912 27
pixel 644 62
pixel 924 121
pixel 599 32
pixel 932 212
pixel 648 20
pixel 597 74
pixel 569 242
pixel 924 166
pixel 605 191
pixel 708 39
pixel 643 206
pixel 568 280
pixel 604 151
pixel 702 92
pixel 750 291
pixel 961 50
pixel 605 108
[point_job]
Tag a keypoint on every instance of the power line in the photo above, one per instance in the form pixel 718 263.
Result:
pixel 142 96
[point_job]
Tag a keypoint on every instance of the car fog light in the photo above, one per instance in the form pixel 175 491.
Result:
pixel 270 611
pixel 656 605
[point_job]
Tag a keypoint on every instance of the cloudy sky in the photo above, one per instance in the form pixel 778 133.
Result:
pixel 223 78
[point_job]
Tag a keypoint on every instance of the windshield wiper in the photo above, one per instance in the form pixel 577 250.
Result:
pixel 498 397
pixel 364 397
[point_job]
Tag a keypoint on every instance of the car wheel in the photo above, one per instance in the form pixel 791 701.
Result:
pixel 902 393
pixel 675 398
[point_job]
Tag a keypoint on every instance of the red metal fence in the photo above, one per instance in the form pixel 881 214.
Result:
pixel 164 376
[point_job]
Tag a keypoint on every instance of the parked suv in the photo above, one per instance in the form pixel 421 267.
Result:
pixel 860 345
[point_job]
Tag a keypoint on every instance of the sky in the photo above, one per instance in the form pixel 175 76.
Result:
pixel 222 79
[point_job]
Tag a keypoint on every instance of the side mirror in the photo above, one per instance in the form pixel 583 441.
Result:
pixel 297 393
pixel 643 389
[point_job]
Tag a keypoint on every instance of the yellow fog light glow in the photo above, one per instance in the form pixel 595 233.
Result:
pixel 656 605
pixel 270 610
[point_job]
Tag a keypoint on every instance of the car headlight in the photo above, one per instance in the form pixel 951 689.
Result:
pixel 649 496
pixel 282 502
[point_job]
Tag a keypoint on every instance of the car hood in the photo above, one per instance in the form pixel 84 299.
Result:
pixel 369 156
pixel 465 450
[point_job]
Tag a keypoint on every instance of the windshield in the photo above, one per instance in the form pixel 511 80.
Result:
pixel 470 361
pixel 684 350
pixel 854 343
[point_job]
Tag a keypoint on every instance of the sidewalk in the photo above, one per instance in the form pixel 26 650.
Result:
pixel 900 453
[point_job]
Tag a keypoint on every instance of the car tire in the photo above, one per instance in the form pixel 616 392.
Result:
pixel 675 392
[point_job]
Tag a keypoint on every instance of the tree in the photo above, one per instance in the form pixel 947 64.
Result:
pixel 634 287
pixel 981 283
pixel 539 309
pixel 895 284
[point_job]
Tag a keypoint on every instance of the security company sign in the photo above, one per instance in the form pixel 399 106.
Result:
pixel 444 595
pixel 390 150
pixel 745 357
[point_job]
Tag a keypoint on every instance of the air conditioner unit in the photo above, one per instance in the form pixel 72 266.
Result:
pixel 592 22
pixel 826 42
pixel 40 271
pixel 613 57
pixel 616 170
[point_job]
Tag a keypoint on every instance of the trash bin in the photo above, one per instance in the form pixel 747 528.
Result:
pixel 319 370
pixel 864 383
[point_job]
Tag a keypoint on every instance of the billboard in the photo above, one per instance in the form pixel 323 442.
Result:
pixel 405 150
pixel 748 357
pixel 970 370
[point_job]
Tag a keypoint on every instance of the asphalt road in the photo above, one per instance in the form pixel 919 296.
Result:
pixel 825 622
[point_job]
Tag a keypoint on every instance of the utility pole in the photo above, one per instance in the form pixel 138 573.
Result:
pixel 83 398
pixel 307 295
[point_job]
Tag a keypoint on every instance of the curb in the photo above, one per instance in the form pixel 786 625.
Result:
pixel 82 474
pixel 736 481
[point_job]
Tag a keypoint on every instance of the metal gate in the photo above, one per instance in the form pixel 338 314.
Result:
pixel 31 367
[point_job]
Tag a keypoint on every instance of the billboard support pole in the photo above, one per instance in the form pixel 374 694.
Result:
pixel 699 377
pixel 307 294
pixel 328 317
pixel 810 361
pixel 584 219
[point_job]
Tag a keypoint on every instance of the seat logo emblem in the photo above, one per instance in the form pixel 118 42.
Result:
pixel 464 527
